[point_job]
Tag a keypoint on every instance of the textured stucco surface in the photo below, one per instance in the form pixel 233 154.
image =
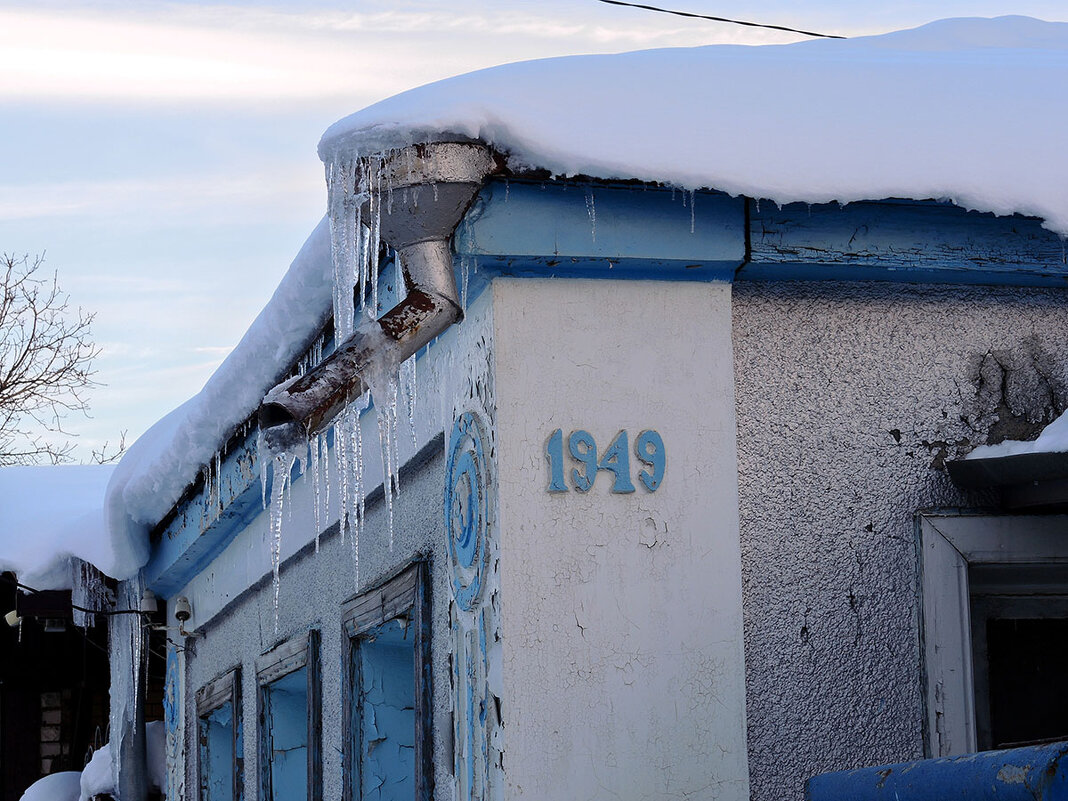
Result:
pixel 849 398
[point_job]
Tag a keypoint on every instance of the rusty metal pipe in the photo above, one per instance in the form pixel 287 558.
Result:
pixel 432 186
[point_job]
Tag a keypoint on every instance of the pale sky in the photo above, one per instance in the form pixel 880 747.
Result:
pixel 163 154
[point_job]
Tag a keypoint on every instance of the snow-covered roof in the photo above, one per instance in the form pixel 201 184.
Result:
pixel 966 109
pixel 50 513
pixel 167 458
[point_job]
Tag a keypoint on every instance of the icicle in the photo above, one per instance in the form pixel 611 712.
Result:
pixel 591 210
pixel 465 273
pixel 506 187
pixel 387 436
pixel 217 497
pixel 408 385
pixel 283 465
pixel 354 541
pixel 88 591
pixel 261 455
pixel 341 454
pixel 757 202
pixel 315 459
pixel 693 197
pixel 372 249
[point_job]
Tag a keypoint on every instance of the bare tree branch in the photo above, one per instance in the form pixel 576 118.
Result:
pixel 46 357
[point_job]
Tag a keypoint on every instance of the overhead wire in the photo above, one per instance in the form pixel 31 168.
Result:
pixel 722 19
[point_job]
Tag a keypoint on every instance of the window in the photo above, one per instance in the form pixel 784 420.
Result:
pixel 994 615
pixel 219 735
pixel 290 729
pixel 387 707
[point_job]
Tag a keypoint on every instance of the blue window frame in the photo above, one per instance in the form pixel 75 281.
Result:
pixel 387 705
pixel 290 728
pixel 219 735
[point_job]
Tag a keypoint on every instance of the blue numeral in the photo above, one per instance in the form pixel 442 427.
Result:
pixel 617 461
pixel 554 451
pixel 649 448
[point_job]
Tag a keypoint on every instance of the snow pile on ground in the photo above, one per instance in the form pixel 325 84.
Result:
pixel 166 459
pixel 57 787
pixel 98 778
pixel 1053 439
pixel 966 109
pixel 50 513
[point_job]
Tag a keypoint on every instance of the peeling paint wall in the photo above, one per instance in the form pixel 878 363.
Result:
pixel 620 613
pixel 236 624
pixel 850 399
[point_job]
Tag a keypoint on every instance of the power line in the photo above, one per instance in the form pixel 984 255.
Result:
pixel 722 19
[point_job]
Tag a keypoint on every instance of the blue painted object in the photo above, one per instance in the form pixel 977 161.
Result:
pixel 616 460
pixel 584 450
pixel 554 452
pixel 385 708
pixel 1034 773
pixel 649 448
pixel 466 507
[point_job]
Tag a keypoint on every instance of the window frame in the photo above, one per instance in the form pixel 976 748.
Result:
pixel 225 688
pixel 288 657
pixel 406 592
pixel 947 545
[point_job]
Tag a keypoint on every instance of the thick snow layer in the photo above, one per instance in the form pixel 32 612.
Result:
pixel 98 778
pixel 1053 439
pixel 48 514
pixel 966 109
pixel 57 787
pixel 166 459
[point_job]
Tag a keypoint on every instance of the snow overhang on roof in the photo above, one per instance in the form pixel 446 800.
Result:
pixel 49 514
pixel 960 109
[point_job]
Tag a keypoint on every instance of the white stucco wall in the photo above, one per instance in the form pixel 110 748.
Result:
pixel 850 397
pixel 623 671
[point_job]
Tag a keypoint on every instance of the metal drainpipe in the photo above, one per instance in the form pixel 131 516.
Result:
pixel 441 180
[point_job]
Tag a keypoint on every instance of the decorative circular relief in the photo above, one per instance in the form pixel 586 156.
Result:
pixel 465 509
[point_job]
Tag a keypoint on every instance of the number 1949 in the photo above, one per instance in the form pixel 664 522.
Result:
pixel 648 449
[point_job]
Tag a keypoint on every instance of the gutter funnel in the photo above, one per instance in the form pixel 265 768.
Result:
pixel 430 188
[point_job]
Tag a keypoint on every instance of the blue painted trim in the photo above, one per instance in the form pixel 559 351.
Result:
pixel 901 240
pixel 1035 773
pixel 199 531
pixel 599 221
pixel 528 229
pixel 904 275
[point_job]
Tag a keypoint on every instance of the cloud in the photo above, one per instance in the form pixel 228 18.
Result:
pixel 167 53
pixel 248 195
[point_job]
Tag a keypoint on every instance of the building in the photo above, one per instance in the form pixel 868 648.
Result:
pixel 625 490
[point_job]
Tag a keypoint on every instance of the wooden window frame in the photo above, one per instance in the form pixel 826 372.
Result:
pixel 226 688
pixel 947 545
pixel 406 592
pixel 285 658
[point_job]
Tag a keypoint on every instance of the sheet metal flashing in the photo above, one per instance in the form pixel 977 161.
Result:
pixel 1023 480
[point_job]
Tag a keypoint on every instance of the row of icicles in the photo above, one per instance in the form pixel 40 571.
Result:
pixel 352 184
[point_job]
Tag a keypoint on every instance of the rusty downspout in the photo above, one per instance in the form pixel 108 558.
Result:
pixel 431 187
